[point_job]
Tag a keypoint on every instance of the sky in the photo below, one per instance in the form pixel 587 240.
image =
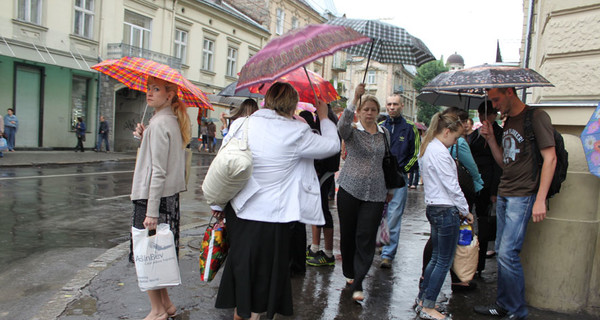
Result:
pixel 467 27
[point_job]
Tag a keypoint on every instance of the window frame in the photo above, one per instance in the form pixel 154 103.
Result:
pixel 85 30
pixel 27 12
pixel 295 23
pixel 134 27
pixel 210 53
pixel 371 77
pixel 279 21
pixel 180 45
pixel 86 103
pixel 231 69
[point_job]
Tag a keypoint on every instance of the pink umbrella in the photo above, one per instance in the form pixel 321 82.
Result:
pixel 295 49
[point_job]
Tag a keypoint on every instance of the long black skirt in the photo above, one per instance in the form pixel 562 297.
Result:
pixel 256 277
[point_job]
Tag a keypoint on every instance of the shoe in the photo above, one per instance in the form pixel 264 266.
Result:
pixel 413 187
pixel 513 317
pixel 321 260
pixel 418 307
pixel 349 281
pixel 490 254
pixel 310 254
pixel 462 288
pixel 427 316
pixel 358 296
pixel 386 264
pixel 172 311
pixel 491 310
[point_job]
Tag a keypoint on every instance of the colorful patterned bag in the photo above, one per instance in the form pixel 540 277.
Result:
pixel 214 249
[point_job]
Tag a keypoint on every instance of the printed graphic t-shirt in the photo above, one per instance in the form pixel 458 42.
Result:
pixel 518 178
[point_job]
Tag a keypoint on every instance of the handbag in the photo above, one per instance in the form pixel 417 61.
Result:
pixel 394 177
pixel 155 258
pixel 229 171
pixel 214 249
pixel 188 164
pixel 465 260
pixel 3 144
pixel 383 232
pixel 465 180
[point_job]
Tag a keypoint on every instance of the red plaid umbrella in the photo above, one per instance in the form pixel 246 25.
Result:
pixel 133 72
pixel 297 78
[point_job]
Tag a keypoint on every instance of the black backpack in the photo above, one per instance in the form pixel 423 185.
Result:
pixel 562 156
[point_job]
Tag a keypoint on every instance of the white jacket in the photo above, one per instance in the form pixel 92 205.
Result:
pixel 284 185
pixel 160 164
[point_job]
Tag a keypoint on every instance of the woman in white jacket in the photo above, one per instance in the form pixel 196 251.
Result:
pixel 283 188
pixel 159 173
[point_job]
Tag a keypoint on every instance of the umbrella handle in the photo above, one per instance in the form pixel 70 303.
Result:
pixel 311 85
pixel 367 68
pixel 142 121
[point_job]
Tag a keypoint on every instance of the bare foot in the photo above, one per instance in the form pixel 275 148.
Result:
pixel 154 316
pixel 171 311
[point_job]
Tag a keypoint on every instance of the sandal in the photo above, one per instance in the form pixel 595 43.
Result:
pixel 171 314
pixel 358 296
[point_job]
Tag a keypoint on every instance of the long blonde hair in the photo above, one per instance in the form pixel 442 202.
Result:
pixel 439 122
pixel 179 109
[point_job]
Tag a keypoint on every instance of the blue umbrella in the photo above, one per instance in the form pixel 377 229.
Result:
pixel 590 137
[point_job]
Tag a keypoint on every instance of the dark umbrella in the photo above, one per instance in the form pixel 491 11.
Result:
pixel 463 100
pixel 485 77
pixel 229 91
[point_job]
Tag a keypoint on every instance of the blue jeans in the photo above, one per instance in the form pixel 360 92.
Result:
pixel 394 216
pixel 9 133
pixel 445 223
pixel 101 137
pixel 512 215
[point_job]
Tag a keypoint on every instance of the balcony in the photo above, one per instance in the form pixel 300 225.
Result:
pixel 338 65
pixel 119 50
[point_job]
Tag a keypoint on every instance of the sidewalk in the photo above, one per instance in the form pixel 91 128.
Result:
pixel 36 158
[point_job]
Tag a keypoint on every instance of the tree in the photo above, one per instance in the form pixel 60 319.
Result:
pixel 425 73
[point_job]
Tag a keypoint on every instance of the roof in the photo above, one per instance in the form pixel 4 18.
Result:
pixel 455 58
pixel 230 10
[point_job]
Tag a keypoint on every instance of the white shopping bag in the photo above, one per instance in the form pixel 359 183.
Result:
pixel 155 258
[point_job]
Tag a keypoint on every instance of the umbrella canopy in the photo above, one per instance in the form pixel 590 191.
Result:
pixel 485 77
pixel 420 126
pixel 229 91
pixel 299 80
pixel 295 49
pixel 590 137
pixel 390 44
pixel 463 100
pixel 133 72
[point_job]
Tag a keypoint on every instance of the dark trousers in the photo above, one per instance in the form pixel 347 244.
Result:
pixel 413 177
pixel 79 143
pixel 297 248
pixel 359 221
pixel 486 223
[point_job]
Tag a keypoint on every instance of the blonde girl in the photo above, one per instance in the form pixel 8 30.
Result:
pixel 159 174
pixel 446 206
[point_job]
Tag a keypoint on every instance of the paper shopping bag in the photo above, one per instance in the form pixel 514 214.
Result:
pixel 155 258
pixel 465 260
pixel 214 250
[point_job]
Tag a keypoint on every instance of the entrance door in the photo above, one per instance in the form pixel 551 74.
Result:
pixel 28 108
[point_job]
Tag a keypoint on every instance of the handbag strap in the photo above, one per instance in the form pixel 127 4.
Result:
pixel 244 126
pixel 387 144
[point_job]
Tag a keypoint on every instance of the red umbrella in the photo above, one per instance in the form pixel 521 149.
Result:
pixel 133 72
pixel 295 49
pixel 298 79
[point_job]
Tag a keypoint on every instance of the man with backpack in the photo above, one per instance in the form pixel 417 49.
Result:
pixel 521 194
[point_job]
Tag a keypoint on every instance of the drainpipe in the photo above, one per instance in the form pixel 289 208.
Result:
pixel 173 28
pixel 99 78
pixel 527 50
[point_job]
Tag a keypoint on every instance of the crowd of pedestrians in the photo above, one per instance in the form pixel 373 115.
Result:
pixel 295 159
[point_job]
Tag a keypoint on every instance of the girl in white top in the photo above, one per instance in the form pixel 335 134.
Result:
pixel 446 206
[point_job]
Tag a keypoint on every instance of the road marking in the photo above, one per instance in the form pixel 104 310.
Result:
pixel 115 197
pixel 78 174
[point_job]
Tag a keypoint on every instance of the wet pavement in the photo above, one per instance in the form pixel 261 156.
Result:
pixel 93 282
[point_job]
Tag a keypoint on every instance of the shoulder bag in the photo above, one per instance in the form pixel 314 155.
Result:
pixel 229 171
pixel 394 178
pixel 465 180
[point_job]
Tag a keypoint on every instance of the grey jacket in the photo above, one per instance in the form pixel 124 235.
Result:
pixel 160 165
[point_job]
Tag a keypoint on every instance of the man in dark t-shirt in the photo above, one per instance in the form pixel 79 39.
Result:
pixel 521 195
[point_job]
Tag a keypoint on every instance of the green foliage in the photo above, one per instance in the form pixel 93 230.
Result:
pixel 426 73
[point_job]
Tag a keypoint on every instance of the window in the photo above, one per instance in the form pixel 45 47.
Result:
pixel 208 52
pixel 84 18
pixel 294 23
pixel 280 20
pixel 231 62
pixel 371 77
pixel 79 99
pixel 180 44
pixel 136 30
pixel 30 11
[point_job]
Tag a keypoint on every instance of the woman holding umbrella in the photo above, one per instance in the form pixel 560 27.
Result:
pixel 159 173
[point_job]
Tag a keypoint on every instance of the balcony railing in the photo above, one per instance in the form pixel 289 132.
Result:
pixel 339 65
pixel 119 50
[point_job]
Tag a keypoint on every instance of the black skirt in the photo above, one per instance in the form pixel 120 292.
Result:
pixel 256 277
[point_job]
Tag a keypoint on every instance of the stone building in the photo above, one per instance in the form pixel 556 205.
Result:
pixel 455 62
pixel 561 255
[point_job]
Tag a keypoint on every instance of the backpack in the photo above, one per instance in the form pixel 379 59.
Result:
pixel 562 156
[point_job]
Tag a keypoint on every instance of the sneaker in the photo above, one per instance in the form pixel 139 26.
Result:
pixel 310 254
pixel 321 260
pixel 491 310
pixel 513 317
pixel 386 264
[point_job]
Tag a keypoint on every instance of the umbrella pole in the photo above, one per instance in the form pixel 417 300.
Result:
pixel 367 68
pixel 311 85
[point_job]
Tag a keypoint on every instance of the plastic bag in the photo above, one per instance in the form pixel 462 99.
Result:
pixel 465 260
pixel 383 232
pixel 214 250
pixel 3 144
pixel 155 258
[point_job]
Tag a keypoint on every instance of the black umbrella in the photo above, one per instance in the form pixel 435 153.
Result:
pixel 463 100
pixel 486 77
pixel 229 91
